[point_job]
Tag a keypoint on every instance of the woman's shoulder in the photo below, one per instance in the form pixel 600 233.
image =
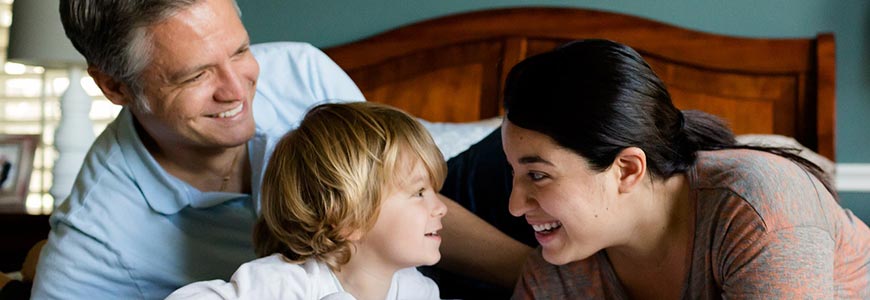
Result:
pixel 743 162
pixel 773 189
pixel 752 174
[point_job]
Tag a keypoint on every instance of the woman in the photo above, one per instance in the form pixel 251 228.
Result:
pixel 631 198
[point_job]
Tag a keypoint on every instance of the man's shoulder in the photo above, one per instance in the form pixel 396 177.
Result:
pixel 278 56
pixel 104 176
pixel 108 153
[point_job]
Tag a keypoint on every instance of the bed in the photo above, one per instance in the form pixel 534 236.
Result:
pixel 452 68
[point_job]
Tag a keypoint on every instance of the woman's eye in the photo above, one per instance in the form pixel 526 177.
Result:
pixel 535 176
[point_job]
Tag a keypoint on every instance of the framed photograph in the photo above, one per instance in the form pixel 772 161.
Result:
pixel 16 164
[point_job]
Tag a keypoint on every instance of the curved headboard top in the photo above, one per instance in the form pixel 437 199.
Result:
pixel 452 68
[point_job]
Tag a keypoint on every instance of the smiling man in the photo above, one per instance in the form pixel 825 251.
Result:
pixel 168 193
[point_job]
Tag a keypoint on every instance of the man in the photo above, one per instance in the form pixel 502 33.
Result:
pixel 168 193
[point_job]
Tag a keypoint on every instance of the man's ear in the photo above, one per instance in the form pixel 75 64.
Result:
pixel 117 92
pixel 630 164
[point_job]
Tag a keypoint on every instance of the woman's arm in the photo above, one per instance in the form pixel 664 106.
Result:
pixel 475 248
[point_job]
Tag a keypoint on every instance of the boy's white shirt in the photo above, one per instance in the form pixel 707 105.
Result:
pixel 272 277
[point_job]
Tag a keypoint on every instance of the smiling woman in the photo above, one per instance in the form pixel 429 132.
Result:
pixel 631 197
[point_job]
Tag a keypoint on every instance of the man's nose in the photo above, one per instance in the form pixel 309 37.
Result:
pixel 232 87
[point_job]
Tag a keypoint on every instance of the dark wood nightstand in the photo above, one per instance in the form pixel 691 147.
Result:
pixel 18 233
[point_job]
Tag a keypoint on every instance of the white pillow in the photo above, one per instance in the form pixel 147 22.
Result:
pixel 453 138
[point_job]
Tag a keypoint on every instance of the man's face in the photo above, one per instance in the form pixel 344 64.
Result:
pixel 201 79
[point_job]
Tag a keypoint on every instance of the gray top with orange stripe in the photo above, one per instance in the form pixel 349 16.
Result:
pixel 764 228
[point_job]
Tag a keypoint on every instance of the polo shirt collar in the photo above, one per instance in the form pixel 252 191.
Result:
pixel 163 192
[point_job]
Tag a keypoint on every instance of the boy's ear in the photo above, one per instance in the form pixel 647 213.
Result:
pixel 354 235
pixel 630 165
pixel 117 92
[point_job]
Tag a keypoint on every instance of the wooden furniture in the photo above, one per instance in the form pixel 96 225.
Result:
pixel 18 233
pixel 453 68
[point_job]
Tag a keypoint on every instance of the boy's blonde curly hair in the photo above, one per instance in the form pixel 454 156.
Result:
pixel 326 178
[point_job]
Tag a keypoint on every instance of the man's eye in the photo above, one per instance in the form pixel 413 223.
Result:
pixel 198 76
pixel 242 51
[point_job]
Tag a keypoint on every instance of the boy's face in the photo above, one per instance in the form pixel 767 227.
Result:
pixel 406 231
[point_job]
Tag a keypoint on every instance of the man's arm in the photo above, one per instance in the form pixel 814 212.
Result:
pixel 476 248
pixel 75 266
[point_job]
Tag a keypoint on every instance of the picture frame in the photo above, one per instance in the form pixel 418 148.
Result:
pixel 16 166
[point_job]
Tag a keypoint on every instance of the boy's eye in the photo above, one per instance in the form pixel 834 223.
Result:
pixel 420 192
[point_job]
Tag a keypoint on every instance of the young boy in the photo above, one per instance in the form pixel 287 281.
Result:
pixel 350 207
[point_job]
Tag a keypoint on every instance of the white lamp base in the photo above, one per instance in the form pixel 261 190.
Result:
pixel 72 138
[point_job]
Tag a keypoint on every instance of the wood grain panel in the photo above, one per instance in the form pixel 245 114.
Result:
pixel 752 103
pixel 456 83
pixel 743 116
pixel 423 95
pixel 438 68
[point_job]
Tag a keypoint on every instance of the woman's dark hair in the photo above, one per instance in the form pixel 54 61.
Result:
pixel 598 97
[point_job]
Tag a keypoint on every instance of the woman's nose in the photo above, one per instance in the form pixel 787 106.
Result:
pixel 519 201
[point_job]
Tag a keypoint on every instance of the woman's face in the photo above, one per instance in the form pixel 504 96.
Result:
pixel 571 207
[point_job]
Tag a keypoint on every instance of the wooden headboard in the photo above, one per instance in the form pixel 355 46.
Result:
pixel 453 68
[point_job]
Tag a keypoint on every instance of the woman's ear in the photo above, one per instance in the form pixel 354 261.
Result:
pixel 630 164
pixel 117 92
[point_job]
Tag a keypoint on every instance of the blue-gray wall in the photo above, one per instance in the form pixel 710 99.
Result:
pixel 331 22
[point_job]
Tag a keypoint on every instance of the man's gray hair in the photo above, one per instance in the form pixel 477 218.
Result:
pixel 112 35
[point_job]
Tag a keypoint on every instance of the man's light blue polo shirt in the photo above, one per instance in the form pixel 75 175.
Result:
pixel 129 230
